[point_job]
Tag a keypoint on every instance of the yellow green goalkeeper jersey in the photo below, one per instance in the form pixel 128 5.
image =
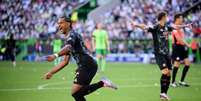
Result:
pixel 100 38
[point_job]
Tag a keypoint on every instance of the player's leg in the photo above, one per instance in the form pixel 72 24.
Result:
pixel 103 61
pixel 12 57
pixel 98 57
pixel 164 63
pixel 79 91
pixel 165 82
pixel 174 72
pixel 81 85
pixel 75 89
pixel 184 72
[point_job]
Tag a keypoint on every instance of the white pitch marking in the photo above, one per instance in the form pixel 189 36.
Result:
pixel 67 88
pixel 40 87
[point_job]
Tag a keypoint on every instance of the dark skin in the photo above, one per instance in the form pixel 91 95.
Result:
pixel 63 27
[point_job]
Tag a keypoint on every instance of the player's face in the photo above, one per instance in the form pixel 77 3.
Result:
pixel 99 26
pixel 180 20
pixel 63 26
pixel 164 19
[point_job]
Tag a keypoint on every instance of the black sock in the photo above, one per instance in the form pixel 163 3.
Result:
pixel 85 90
pixel 78 98
pixel 167 84
pixel 185 70
pixel 163 83
pixel 174 74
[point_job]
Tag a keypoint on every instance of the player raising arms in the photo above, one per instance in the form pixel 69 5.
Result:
pixel 87 66
pixel 180 51
pixel 160 33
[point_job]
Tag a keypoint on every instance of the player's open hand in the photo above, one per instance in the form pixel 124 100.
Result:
pixel 48 76
pixel 51 58
pixel 190 25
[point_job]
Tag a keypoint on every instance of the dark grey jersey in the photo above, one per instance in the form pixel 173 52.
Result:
pixel 160 38
pixel 79 51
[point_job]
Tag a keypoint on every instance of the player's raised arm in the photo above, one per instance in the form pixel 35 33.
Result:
pixel 141 26
pixel 64 51
pixel 58 67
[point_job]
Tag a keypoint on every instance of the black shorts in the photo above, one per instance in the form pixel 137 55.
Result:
pixel 84 75
pixel 163 61
pixel 179 52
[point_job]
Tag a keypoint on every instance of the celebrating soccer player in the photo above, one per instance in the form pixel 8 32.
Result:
pixel 87 66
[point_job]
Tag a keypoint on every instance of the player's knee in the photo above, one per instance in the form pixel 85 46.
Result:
pixel 187 62
pixel 176 64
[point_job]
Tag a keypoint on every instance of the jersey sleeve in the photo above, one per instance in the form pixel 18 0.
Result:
pixel 71 40
pixel 150 29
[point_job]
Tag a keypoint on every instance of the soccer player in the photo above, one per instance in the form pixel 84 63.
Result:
pixel 180 52
pixel 87 66
pixel 10 49
pixel 57 43
pixel 160 33
pixel 101 45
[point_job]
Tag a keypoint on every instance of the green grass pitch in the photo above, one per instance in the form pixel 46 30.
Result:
pixel 137 82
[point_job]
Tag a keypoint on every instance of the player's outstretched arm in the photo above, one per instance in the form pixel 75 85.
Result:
pixel 182 26
pixel 58 67
pixel 141 26
pixel 64 51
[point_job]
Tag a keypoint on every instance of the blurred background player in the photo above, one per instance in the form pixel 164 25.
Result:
pixel 57 43
pixel 180 51
pixel 10 49
pixel 100 45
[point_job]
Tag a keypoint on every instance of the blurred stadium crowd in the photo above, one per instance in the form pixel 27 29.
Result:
pixel 37 19
pixel 30 18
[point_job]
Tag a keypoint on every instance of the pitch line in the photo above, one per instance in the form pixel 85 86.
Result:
pixel 67 88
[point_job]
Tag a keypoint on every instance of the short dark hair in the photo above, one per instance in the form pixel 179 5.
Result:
pixel 67 19
pixel 161 15
pixel 177 16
